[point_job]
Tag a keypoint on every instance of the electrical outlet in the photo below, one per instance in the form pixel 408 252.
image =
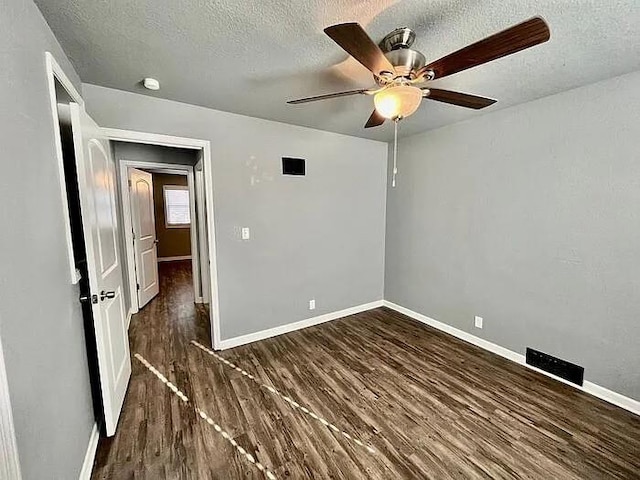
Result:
pixel 246 234
pixel 478 322
pixel 312 304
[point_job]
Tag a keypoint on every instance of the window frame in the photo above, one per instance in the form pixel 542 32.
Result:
pixel 164 206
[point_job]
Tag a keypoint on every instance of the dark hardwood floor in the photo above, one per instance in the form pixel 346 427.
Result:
pixel 427 404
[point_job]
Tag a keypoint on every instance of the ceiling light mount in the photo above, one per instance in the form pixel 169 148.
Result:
pixel 396 46
pixel 400 38
pixel 406 62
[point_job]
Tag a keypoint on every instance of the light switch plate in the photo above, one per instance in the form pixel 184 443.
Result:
pixel 246 234
pixel 478 322
pixel 312 304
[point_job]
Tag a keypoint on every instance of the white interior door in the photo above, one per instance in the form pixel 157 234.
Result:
pixel 144 235
pixel 96 182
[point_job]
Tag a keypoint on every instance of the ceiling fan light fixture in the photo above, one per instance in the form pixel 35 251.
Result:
pixel 397 102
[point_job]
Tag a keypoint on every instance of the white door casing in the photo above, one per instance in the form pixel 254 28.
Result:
pixel 144 231
pixel 96 182
pixel 201 217
pixel 211 270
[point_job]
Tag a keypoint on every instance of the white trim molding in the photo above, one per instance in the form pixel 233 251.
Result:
pixel 201 226
pixel 9 459
pixel 90 456
pixel 602 393
pixel 129 315
pixel 154 138
pixel 174 259
pixel 55 72
pixel 291 327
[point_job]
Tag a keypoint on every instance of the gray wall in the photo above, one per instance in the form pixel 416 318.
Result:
pixel 319 236
pixel 40 317
pixel 529 217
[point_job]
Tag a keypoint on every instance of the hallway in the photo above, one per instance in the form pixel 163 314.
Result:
pixel 373 395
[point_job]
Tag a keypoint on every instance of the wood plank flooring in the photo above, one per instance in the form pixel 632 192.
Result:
pixel 430 406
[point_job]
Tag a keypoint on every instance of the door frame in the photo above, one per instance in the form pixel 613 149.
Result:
pixel 172 169
pixel 204 146
pixel 55 73
pixel 9 458
pixel 202 223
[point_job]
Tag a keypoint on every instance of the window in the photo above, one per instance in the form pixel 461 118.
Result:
pixel 177 213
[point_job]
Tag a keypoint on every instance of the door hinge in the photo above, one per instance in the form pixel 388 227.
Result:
pixel 137 286
pixel 129 183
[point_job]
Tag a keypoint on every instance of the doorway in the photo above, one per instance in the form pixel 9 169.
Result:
pixel 204 189
pixel 164 218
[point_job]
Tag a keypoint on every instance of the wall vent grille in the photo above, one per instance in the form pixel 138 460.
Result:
pixel 293 166
pixel 560 368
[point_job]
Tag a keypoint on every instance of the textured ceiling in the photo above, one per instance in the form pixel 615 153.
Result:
pixel 249 57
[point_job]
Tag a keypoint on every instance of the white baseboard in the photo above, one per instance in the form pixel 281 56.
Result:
pixel 173 259
pixel 602 393
pixel 467 337
pixel 129 315
pixel 290 327
pixel 87 465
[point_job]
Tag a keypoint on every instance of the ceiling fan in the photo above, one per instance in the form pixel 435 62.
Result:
pixel 402 74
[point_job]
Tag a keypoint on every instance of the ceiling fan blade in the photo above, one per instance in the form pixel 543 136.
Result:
pixel 458 98
pixel 361 91
pixel 375 120
pixel 355 41
pixel 512 40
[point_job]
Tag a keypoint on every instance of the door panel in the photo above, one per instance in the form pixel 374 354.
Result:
pixel 96 183
pixel 113 313
pixel 148 259
pixel 144 196
pixel 99 168
pixel 144 231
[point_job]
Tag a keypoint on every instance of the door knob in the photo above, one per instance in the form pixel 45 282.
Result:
pixel 155 242
pixel 104 295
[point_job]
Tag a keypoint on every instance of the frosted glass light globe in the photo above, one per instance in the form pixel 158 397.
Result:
pixel 398 101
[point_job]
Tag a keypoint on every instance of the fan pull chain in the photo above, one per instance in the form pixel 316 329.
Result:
pixel 395 152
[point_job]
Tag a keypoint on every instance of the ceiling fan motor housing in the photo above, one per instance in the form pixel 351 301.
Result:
pixel 397 48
